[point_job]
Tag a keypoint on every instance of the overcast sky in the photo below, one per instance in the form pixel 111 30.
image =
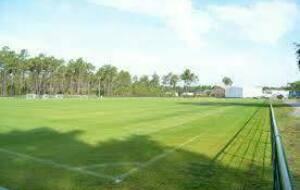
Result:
pixel 250 41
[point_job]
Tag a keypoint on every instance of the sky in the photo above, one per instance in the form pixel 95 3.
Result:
pixel 250 41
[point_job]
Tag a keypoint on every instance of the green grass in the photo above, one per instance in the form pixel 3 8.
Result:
pixel 134 143
pixel 290 131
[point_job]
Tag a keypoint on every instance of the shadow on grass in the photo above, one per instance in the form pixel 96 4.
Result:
pixel 46 159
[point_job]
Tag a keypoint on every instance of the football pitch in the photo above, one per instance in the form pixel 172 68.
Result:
pixel 135 143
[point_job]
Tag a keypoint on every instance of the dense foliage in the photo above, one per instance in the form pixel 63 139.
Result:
pixel 21 74
pixel 295 86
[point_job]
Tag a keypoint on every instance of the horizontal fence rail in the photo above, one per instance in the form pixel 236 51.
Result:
pixel 282 178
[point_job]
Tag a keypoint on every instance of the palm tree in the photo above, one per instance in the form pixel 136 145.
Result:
pixel 188 77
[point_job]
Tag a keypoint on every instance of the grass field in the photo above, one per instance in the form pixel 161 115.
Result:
pixel 135 143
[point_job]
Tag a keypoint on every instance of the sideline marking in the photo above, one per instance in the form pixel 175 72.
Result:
pixel 110 165
pixel 121 177
pixel 82 170
pixel 55 164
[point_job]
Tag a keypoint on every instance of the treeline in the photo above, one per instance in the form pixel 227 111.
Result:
pixel 23 74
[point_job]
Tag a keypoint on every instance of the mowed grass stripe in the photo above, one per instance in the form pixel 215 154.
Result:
pixel 209 142
pixel 173 121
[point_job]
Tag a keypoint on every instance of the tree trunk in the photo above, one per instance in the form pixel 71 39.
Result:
pixel 99 88
pixel 51 85
pixel 78 86
pixel 23 82
pixel 72 85
pixel 12 85
pixel 37 90
pixel 61 89
pixel 4 83
pixel 88 87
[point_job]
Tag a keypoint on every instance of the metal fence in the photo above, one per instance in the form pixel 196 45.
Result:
pixel 282 177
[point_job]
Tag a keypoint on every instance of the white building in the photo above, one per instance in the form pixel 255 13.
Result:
pixel 282 93
pixel 244 92
pixel 234 92
pixel 253 92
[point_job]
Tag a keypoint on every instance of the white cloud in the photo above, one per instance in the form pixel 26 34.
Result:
pixel 264 21
pixel 179 15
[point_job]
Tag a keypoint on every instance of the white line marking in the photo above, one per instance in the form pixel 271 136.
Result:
pixel 82 170
pixel 182 121
pixel 121 177
pixel 111 165
pixel 55 164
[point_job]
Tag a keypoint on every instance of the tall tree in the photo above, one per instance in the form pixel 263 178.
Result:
pixel 166 79
pixel 3 62
pixel 227 81
pixel 170 80
pixel 37 67
pixel 78 71
pixel 108 75
pixel 123 84
pixel 174 80
pixel 23 58
pixel 12 68
pixel 60 76
pixel 144 80
pixel 3 80
pixel 155 80
pixel 188 77
pixel 89 76
pixel 52 66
